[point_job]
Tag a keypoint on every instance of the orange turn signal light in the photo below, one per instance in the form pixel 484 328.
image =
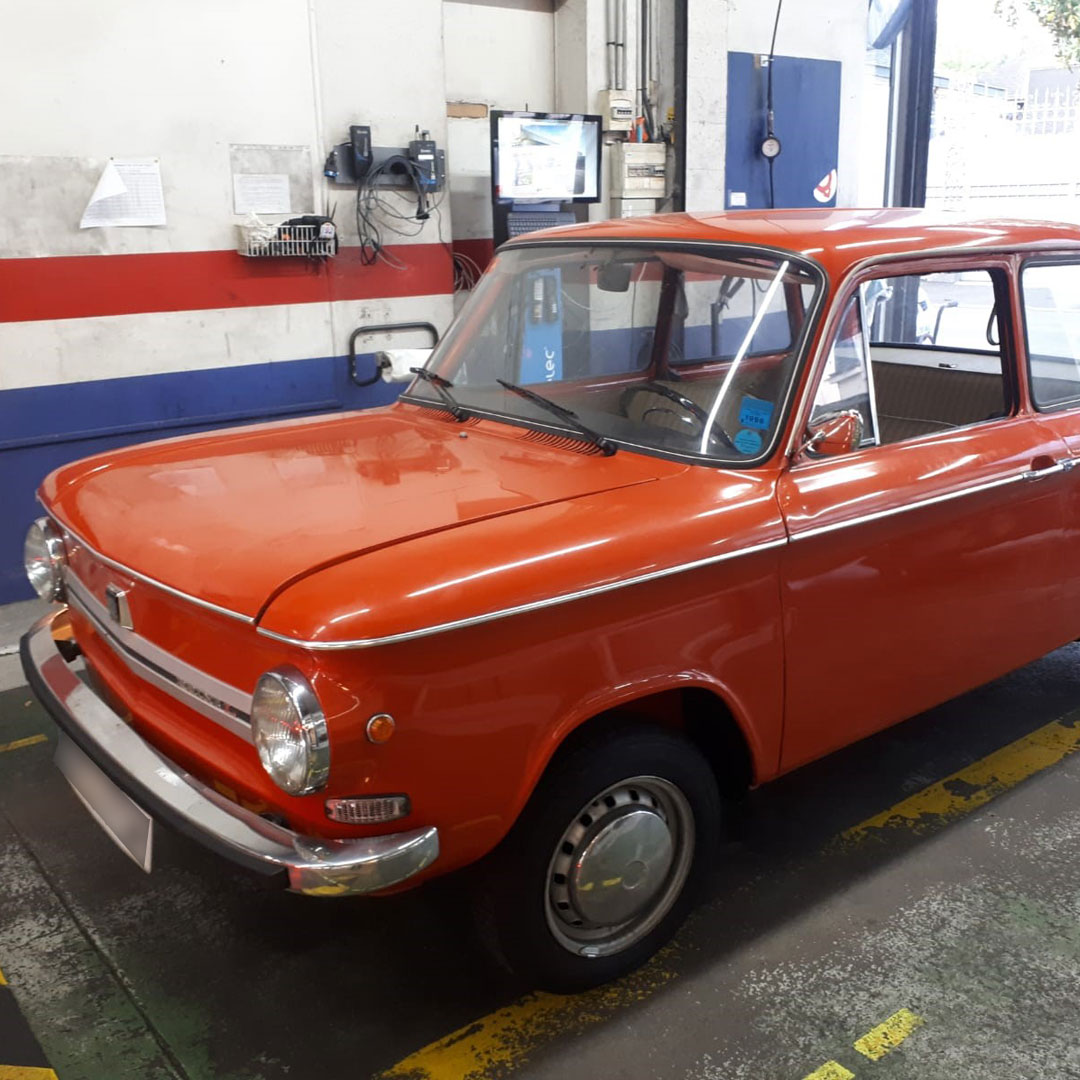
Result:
pixel 380 727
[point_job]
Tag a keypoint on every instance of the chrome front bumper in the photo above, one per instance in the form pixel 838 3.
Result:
pixel 318 867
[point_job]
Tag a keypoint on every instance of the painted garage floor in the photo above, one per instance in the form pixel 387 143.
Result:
pixel 909 907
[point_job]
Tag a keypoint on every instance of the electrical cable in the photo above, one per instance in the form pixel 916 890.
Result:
pixel 772 53
pixel 769 101
pixel 375 213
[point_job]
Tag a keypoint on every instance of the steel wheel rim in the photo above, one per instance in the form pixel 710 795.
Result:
pixel 640 833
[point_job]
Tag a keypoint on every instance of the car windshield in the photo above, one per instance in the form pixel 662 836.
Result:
pixel 687 352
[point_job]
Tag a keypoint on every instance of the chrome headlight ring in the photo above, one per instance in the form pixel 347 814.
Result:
pixel 290 732
pixel 44 558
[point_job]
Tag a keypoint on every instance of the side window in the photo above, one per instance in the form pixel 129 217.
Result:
pixel 934 353
pixel 1051 296
pixel 934 362
pixel 929 360
pixel 845 382
pixel 944 310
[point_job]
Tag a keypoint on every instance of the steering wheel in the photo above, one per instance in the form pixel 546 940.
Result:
pixel 716 432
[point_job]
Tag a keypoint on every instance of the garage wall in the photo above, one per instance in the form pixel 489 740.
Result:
pixel 833 30
pixel 109 336
pixel 516 38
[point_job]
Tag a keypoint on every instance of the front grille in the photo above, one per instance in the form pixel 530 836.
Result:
pixel 214 699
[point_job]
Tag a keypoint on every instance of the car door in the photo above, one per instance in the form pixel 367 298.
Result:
pixel 928 559
pixel 1050 305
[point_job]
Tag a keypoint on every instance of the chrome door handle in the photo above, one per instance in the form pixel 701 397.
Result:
pixel 1068 463
pixel 1051 469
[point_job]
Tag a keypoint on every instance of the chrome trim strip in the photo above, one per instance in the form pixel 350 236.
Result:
pixel 216 700
pixel 143 577
pixel 520 609
pixel 315 865
pixel 974 489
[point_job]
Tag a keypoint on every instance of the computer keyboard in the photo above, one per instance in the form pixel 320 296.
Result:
pixel 527 221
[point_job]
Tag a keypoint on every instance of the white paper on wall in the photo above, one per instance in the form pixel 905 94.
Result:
pixel 257 163
pixel 127 193
pixel 261 193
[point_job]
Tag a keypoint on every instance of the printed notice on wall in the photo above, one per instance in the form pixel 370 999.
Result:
pixel 271 178
pixel 128 193
pixel 261 193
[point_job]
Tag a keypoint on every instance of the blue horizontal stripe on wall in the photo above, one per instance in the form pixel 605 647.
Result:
pixel 43 427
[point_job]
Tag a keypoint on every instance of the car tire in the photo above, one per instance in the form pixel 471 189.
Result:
pixel 604 862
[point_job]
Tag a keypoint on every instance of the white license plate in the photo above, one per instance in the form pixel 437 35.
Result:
pixel 129 825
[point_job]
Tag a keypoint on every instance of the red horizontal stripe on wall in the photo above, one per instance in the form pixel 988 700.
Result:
pixel 479 250
pixel 80 286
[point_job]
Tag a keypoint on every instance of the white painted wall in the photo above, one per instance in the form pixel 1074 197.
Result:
pixel 815 29
pixel 502 56
pixel 129 79
pixel 182 82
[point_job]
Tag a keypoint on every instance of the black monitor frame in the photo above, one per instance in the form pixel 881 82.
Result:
pixel 586 118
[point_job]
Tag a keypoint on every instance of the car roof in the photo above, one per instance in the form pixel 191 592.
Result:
pixel 836 238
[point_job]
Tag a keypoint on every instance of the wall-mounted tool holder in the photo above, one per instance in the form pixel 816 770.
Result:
pixel 386 166
pixel 312 236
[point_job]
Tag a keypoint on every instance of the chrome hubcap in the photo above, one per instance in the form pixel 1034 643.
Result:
pixel 619 866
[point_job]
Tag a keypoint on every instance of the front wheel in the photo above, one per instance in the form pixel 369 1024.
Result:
pixel 604 862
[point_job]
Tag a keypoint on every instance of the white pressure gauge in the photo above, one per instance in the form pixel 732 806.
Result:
pixel 770 147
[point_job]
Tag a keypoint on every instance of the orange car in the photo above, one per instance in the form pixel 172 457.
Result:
pixel 677 505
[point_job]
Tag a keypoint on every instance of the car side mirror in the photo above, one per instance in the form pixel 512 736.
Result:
pixel 836 433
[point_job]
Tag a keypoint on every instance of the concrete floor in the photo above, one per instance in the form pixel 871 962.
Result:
pixel 14 621
pixel 803 946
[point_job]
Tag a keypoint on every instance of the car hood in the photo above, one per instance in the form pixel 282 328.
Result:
pixel 234 517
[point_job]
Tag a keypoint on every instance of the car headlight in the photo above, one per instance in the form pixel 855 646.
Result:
pixel 45 559
pixel 290 733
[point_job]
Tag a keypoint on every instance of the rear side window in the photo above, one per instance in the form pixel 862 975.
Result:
pixel 1051 295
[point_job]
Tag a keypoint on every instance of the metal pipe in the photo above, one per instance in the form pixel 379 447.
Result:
pixel 609 42
pixel 620 38
pixel 643 67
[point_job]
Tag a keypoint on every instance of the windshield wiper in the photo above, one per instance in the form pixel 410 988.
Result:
pixel 586 432
pixel 442 388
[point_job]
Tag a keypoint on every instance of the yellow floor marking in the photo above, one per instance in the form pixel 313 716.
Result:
pixel 877 1043
pixel 18 744
pixel 831 1070
pixel 26 1072
pixel 978 783
pixel 504 1040
pixel 3 981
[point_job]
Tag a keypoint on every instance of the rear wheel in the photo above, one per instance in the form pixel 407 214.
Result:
pixel 605 861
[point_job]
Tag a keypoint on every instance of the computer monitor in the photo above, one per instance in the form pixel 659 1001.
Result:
pixel 545 157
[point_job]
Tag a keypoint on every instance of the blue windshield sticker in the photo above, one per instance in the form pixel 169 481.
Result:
pixel 755 413
pixel 747 441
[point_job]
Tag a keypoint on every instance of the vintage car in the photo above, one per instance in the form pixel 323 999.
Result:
pixel 668 512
